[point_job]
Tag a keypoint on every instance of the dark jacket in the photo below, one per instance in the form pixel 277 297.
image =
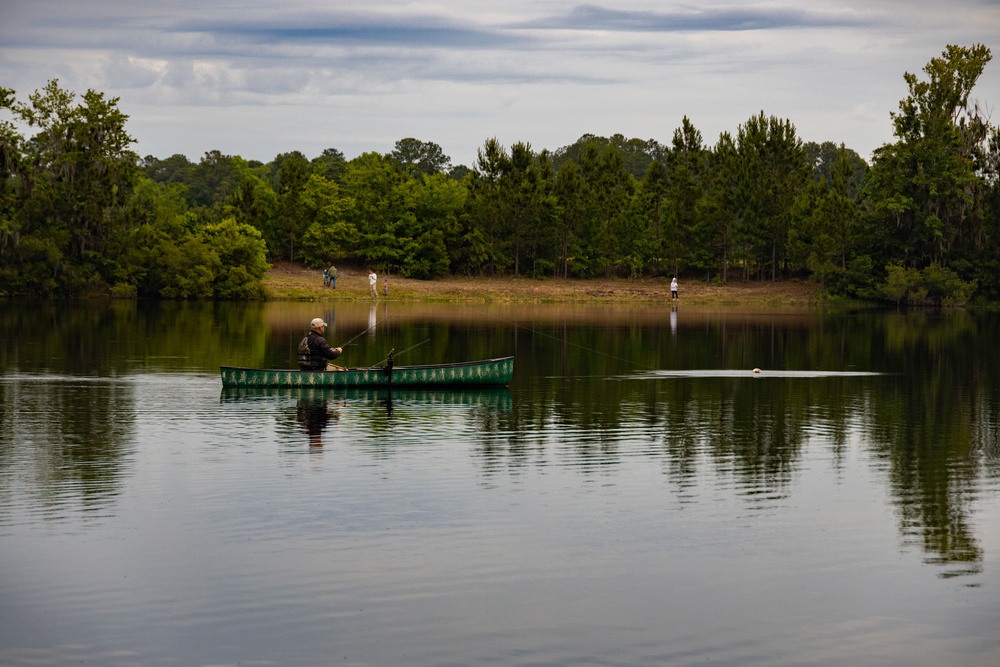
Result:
pixel 319 352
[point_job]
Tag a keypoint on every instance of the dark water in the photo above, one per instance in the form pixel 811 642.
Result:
pixel 637 495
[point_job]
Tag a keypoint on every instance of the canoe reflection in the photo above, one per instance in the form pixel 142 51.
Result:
pixel 316 409
pixel 498 397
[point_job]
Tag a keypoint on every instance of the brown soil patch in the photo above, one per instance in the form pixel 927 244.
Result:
pixel 290 281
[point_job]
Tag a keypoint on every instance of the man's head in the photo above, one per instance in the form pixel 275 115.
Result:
pixel 317 324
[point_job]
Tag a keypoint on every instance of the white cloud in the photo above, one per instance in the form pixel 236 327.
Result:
pixel 122 71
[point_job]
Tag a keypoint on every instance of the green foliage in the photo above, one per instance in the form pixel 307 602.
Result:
pixel 932 285
pixel 328 236
pixel 37 269
pixel 901 285
pixel 293 174
pixel 187 269
pixel 124 291
pixel 81 214
pixel 688 166
pixel 420 157
pixel 648 217
pixel 944 287
pixel 459 172
pixel 717 213
pixel 330 164
pixel 242 259
pixel 825 156
pixel 860 278
pixel 637 154
pixel 371 183
pixel 826 229
pixel 213 179
pixel 772 173
pixel 428 257
pixel 608 188
pixel 255 203
pixel 924 189
pixel 64 189
pixel 512 209
pixel 543 269
pixel 177 259
pixel 489 209
pixel 174 169
pixel 322 244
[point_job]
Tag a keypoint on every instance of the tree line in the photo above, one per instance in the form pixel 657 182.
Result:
pixel 82 214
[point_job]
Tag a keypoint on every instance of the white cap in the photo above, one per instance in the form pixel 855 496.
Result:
pixel 317 323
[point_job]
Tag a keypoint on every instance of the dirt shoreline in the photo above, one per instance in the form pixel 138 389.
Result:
pixel 292 282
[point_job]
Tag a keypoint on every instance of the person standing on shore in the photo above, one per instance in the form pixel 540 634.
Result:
pixel 673 288
pixel 372 283
pixel 332 273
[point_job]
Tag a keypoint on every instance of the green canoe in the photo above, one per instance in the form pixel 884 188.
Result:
pixel 485 373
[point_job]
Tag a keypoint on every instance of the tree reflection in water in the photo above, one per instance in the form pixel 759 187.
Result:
pixel 929 421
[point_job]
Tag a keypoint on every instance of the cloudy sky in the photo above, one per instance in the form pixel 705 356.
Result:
pixel 261 77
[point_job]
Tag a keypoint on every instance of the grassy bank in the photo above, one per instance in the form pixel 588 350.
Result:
pixel 292 282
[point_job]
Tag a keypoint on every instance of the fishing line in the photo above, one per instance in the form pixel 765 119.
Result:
pixel 373 326
pixel 576 345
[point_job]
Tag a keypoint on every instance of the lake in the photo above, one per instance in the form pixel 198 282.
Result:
pixel 637 495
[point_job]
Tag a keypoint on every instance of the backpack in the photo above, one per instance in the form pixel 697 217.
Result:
pixel 304 355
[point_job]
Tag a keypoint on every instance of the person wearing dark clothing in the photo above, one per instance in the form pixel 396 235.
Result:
pixel 314 352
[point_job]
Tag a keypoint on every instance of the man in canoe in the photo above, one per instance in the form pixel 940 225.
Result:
pixel 314 353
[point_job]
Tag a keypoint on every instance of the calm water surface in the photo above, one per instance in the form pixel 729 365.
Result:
pixel 636 496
